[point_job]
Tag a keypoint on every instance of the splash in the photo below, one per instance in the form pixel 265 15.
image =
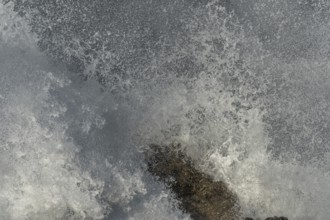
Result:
pixel 245 93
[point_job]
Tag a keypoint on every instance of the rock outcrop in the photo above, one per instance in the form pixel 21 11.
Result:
pixel 198 193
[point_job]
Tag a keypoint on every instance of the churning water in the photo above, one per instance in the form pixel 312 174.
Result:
pixel 86 86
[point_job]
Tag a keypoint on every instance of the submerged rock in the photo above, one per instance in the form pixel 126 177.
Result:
pixel 198 193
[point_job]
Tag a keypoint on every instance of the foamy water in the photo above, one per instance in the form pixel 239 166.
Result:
pixel 85 88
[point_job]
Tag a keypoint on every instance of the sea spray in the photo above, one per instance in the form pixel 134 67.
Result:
pixel 247 102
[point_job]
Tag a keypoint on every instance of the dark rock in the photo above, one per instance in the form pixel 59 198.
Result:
pixel 276 218
pixel 269 218
pixel 199 195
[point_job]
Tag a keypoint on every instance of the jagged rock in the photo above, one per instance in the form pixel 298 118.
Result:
pixel 198 193
pixel 200 196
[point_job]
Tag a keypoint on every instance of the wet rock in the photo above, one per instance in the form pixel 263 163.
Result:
pixel 276 218
pixel 269 218
pixel 198 193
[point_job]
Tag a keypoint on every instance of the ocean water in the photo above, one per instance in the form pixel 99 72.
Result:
pixel 86 87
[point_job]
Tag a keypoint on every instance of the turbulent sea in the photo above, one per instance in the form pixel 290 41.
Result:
pixel 86 86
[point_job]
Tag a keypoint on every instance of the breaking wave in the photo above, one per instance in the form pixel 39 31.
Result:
pixel 86 87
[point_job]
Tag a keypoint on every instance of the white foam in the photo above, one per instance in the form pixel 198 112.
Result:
pixel 13 29
pixel 69 148
pixel 40 178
